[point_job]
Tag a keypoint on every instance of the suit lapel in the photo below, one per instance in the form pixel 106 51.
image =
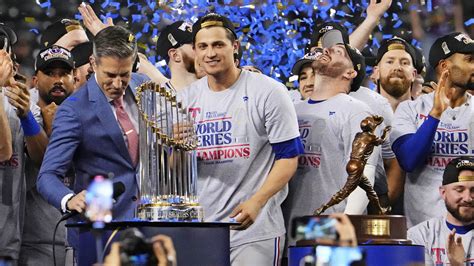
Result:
pixel 104 112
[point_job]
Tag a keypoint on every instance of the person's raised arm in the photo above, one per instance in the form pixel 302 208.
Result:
pixel 375 11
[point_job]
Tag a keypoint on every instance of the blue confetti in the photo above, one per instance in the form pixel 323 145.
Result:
pixel 273 33
pixel 35 31
pixel 136 18
pixel 105 4
pixel 469 22
pixel 398 24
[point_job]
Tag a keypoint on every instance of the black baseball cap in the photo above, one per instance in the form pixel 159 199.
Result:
pixel 396 43
pixel 329 35
pixel 324 28
pixel 173 36
pixel 58 29
pixel 213 20
pixel 306 59
pixel 447 45
pixel 452 170
pixel 420 62
pixel 51 54
pixel 81 53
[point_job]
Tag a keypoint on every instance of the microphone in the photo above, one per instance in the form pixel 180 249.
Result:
pixel 119 189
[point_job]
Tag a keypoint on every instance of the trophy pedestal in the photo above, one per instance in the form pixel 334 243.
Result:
pixel 170 212
pixel 380 229
pixel 381 237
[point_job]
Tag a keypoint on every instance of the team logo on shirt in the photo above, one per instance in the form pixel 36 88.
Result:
pixel 312 155
pixel 13 163
pixel 194 111
pixel 216 142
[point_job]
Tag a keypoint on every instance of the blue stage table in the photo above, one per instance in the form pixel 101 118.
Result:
pixel 196 243
pixel 375 255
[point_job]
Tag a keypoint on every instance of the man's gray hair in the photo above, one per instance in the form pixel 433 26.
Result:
pixel 115 41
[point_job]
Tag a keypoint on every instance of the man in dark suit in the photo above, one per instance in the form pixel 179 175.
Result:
pixel 96 130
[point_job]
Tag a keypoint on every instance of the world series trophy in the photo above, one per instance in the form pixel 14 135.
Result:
pixel 168 162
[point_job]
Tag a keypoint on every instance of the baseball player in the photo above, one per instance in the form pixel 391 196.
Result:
pixel 248 143
pixel 449 239
pixel 428 132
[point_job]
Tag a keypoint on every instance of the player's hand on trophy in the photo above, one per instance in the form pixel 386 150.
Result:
pixel 455 249
pixel 19 97
pixel 91 21
pixel 182 131
pixel 48 113
pixel 77 202
pixel 246 213
pixel 345 230
pixel 441 96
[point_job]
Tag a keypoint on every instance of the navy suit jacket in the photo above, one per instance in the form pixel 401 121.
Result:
pixel 87 135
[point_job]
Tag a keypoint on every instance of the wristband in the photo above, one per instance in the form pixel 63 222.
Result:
pixel 29 125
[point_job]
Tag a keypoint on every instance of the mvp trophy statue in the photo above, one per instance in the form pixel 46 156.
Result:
pixel 380 228
pixel 168 167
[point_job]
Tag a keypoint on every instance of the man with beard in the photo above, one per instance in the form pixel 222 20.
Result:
pixel 449 239
pixel 21 135
pixel 53 82
pixel 175 46
pixel 328 122
pixel 430 131
pixel 395 71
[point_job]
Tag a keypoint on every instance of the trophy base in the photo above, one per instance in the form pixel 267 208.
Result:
pixel 374 230
pixel 177 213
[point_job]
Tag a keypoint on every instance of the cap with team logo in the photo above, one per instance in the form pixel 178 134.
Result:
pixel 58 29
pixel 396 43
pixel 447 45
pixel 306 59
pixel 452 170
pixel 329 27
pixel 173 36
pixel 329 34
pixel 212 20
pixel 51 54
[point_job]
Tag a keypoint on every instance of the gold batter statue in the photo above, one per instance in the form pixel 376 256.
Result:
pixel 362 147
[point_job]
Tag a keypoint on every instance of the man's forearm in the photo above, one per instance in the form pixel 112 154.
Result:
pixel 360 36
pixel 36 146
pixel 52 189
pixel 279 175
pixel 395 179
